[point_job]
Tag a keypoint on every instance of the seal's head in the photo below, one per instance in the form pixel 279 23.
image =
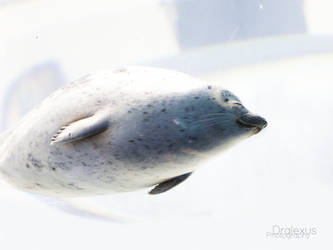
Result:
pixel 245 119
pixel 228 122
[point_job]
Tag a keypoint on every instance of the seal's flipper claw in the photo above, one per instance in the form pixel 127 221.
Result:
pixel 168 184
pixel 81 129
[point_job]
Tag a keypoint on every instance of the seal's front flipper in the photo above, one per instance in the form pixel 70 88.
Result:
pixel 81 129
pixel 168 184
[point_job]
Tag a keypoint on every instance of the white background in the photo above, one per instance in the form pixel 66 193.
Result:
pixel 282 176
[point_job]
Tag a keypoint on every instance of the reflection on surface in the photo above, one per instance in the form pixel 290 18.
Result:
pixel 28 90
pixel 216 21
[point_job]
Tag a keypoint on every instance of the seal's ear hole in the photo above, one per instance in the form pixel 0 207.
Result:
pixel 226 100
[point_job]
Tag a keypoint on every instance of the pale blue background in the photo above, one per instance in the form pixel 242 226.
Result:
pixel 275 55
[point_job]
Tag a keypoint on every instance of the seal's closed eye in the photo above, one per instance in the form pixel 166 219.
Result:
pixel 238 104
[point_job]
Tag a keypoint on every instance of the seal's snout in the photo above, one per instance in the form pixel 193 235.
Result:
pixel 252 121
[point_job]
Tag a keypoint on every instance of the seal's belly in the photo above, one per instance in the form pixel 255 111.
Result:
pixel 141 153
pixel 95 166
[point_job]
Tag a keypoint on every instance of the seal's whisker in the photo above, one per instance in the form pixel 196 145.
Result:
pixel 209 125
pixel 210 120
pixel 218 122
pixel 206 120
pixel 204 124
pixel 216 115
pixel 212 117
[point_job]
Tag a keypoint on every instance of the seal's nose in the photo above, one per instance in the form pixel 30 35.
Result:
pixel 251 120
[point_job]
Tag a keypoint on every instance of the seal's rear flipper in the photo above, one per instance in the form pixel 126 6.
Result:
pixel 81 129
pixel 168 184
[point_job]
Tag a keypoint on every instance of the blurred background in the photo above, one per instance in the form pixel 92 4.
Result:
pixel 277 56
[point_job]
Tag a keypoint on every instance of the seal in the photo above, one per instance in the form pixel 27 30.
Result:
pixel 122 130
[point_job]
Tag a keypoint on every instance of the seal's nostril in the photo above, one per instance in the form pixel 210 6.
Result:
pixel 252 120
pixel 264 124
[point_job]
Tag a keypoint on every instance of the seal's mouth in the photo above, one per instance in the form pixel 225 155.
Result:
pixel 251 121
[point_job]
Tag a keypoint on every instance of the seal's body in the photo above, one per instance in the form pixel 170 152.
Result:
pixel 123 130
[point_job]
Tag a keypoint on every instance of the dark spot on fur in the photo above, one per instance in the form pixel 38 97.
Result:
pixel 213 98
pixel 163 110
pixel 147 146
pixel 170 145
pixel 197 97
pixel 35 162
pixel 27 165
pixel 226 100
pixel 74 186
pixel 193 138
pixel 53 169
pixel 209 87
pixel 129 111
pixel 61 165
pixel 146 120
pixel 182 130
pixel 132 141
pixel 139 139
pixel 145 113
pixel 37 184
